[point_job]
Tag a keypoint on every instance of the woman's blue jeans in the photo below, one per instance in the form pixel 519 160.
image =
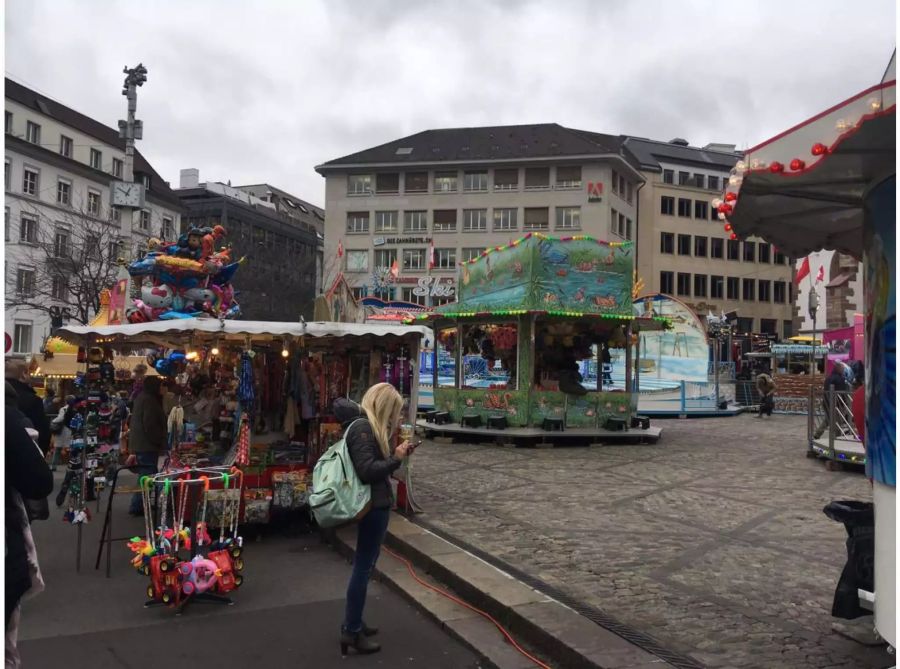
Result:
pixel 369 537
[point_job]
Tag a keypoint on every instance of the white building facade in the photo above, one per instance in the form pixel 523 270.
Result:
pixel 58 168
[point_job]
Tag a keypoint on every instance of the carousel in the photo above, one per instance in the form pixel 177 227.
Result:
pixel 540 342
pixel 830 183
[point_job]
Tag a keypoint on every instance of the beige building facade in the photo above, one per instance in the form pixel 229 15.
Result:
pixel 684 250
pixel 461 191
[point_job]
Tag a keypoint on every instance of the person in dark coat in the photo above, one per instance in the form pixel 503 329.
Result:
pixel 27 477
pixel 370 429
pixel 147 436
pixel 29 403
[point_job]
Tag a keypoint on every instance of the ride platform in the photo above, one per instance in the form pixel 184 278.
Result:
pixel 538 437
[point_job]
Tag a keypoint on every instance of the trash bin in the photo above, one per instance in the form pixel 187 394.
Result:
pixel 859 572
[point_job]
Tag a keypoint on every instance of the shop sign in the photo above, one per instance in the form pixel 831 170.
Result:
pixel 378 241
pixel 431 285
pixel 405 240
pixel 595 191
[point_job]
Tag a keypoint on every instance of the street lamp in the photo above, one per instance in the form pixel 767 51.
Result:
pixel 813 307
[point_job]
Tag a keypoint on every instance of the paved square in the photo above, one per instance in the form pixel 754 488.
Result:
pixel 712 541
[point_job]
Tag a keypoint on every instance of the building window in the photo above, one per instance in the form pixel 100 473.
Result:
pixel 415 182
pixel 780 258
pixel 385 221
pixel 22 338
pixel 768 326
pixel 684 283
pixel 701 209
pixel 388 182
pixel 667 283
pixel 115 249
pixel 629 192
pixel 537 178
pixel 64 192
pixel 145 179
pixel 666 242
pixel 415 221
pixel 734 249
pixel 65 146
pixel 765 252
pixel 8 124
pixel 537 218
pixel 699 285
pixel 568 218
pixel 765 290
pixel 25 282
pixel 568 177
pixel 62 243
pixel 615 182
pixel 700 247
pixel 684 207
pixel 32 132
pixel 96 159
pixel 684 245
pixel 92 246
pixel 445 182
pixel 118 168
pixel 359 184
pixel 749 251
pixel 385 258
pixel 414 259
pixel 667 205
pixel 713 214
pixel 787 330
pixel 445 258
pixel 744 325
pixel 30 181
pixel 357 261
pixel 168 228
pixel 471 253
pixel 717 248
pixel 115 215
pixel 712 183
pixel 408 295
pixel 359 292
pixel 700 181
pixel 506 179
pixel 474 220
pixel 734 287
pixel 145 221
pixel 621 226
pixel 357 221
pixel 504 219
pixel 668 176
pixel 59 288
pixel 93 203
pixel 780 292
pixel 717 287
pixel 6 223
pixel 28 230
pixel 475 182
pixel 7 175
pixel 749 292
pixel 445 220
pixel 684 178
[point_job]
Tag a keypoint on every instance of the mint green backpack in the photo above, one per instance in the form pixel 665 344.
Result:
pixel 338 496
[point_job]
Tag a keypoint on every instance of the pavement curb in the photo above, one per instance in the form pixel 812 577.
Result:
pixel 554 630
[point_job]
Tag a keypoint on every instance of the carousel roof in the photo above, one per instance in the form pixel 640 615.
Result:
pixel 804 189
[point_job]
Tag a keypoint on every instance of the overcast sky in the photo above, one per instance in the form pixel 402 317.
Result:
pixel 255 91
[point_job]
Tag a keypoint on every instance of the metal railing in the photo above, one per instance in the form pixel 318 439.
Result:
pixel 831 429
pixel 726 370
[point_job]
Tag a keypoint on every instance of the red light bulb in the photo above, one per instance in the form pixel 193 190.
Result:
pixel 733 236
pixel 728 227
pixel 776 167
pixel 797 164
pixel 730 197
pixel 819 149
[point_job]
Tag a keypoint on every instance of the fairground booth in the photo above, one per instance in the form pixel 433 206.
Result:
pixel 830 183
pixel 511 351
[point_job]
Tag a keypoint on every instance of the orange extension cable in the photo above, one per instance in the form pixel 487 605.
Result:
pixel 506 634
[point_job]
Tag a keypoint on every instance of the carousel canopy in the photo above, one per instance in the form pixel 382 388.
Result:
pixel 571 276
pixel 804 189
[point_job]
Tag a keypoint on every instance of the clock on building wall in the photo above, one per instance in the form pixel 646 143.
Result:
pixel 126 194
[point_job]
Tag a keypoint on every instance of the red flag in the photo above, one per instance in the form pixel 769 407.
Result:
pixel 340 249
pixel 395 269
pixel 431 256
pixel 821 275
pixel 804 270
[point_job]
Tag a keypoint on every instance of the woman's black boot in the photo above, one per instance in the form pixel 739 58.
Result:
pixel 369 631
pixel 358 642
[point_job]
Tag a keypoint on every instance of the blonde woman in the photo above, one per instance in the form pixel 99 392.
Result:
pixel 369 442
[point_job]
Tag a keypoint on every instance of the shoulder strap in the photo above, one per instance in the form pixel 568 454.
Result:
pixel 347 431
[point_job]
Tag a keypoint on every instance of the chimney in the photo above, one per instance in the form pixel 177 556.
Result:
pixel 190 178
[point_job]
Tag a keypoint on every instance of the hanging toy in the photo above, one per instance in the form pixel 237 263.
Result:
pixel 246 390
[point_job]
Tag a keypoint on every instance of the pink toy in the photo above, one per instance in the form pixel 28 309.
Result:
pixel 199 575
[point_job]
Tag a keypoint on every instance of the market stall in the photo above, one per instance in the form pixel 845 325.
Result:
pixel 845 344
pixel 830 182
pixel 510 351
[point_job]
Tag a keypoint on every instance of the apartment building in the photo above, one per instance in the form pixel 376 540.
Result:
pixel 58 167
pixel 462 190
pixel 684 250
pixel 278 280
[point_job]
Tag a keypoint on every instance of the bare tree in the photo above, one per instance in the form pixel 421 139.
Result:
pixel 65 261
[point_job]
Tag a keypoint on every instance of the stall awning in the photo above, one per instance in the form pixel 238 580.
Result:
pixel 66 365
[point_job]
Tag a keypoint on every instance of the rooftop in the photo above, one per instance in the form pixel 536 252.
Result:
pixel 649 153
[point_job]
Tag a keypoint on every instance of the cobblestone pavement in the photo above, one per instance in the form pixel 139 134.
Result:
pixel 713 541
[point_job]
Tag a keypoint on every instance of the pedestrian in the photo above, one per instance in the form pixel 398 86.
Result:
pixel 49 401
pixel 606 361
pixel 139 373
pixel 147 436
pixel 368 442
pixel 765 386
pixel 27 477
pixel 29 403
pixel 834 381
